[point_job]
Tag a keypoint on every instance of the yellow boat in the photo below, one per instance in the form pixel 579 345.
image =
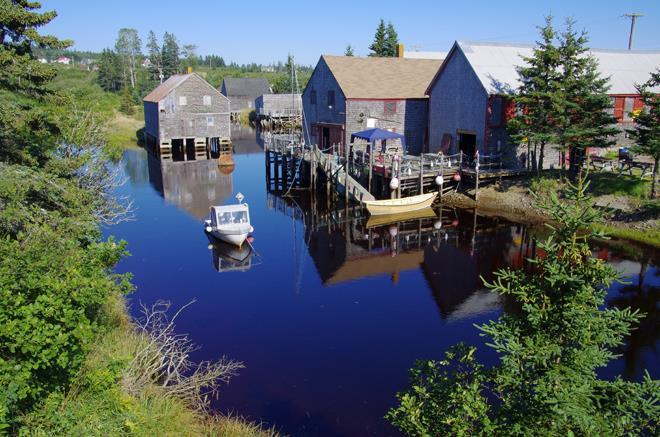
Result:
pixel 396 206
pixel 386 219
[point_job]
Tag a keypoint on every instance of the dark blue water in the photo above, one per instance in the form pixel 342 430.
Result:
pixel 327 323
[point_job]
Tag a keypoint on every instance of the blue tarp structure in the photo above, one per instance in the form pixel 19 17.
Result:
pixel 373 135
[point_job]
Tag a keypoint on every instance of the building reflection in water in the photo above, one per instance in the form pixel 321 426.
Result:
pixel 453 249
pixel 192 186
pixel 229 258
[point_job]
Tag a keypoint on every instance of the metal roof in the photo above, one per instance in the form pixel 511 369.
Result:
pixel 416 54
pixel 246 86
pixel 382 78
pixel 495 65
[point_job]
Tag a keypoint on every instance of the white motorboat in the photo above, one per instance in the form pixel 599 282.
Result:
pixel 230 223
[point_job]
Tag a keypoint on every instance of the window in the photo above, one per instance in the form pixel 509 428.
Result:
pixel 210 121
pixel 331 98
pixel 628 106
pixel 207 100
pixel 390 108
pixel 312 97
pixel 610 110
pixel 183 101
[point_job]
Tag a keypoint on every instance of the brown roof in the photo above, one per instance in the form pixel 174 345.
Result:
pixel 382 78
pixel 162 90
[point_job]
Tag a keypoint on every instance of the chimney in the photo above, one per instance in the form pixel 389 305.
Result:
pixel 399 50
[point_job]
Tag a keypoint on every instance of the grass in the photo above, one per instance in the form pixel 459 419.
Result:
pixel 97 404
pixel 122 132
pixel 619 185
pixel 649 237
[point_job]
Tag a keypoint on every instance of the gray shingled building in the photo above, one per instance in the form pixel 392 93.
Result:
pixel 243 91
pixel 470 96
pixel 185 119
pixel 348 94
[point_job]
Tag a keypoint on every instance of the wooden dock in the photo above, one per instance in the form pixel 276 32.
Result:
pixel 348 172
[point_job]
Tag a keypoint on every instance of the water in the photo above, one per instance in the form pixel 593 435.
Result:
pixel 328 326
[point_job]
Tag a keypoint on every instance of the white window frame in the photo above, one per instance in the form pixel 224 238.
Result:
pixel 210 121
pixel 207 100
pixel 183 101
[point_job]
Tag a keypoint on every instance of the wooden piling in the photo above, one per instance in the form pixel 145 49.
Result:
pixel 421 173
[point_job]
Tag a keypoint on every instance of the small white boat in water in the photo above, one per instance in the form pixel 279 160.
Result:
pixel 230 223
pixel 397 206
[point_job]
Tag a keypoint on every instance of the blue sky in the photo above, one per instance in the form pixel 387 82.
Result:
pixel 264 32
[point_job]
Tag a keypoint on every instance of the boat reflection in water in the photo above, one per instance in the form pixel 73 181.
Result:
pixel 453 248
pixel 192 185
pixel 230 258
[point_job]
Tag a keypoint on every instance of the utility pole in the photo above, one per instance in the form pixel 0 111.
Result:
pixel 632 17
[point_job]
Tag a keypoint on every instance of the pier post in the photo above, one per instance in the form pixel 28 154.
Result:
pixel 421 173
pixel 346 176
pixel 476 180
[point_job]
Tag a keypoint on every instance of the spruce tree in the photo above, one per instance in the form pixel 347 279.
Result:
pixel 170 57
pixel 109 76
pixel 549 348
pixel 24 80
pixel 391 41
pixel 537 100
pixel 378 47
pixel 584 121
pixel 154 56
pixel 647 126
pixel 349 51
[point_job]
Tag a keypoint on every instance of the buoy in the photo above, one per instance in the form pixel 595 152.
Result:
pixel 439 180
pixel 210 246
pixel 454 222
pixel 393 230
pixel 437 224
pixel 394 183
pixel 457 177
pixel 208 229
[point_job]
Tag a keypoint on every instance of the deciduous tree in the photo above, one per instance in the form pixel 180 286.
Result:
pixel 129 46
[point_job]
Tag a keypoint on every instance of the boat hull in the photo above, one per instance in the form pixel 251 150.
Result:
pixel 235 235
pixel 397 206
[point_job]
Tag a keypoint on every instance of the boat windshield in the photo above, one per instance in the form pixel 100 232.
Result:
pixel 227 218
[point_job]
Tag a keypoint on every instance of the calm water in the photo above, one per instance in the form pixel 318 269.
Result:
pixel 328 318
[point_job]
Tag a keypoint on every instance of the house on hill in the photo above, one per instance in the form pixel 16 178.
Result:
pixel 186 119
pixel 470 96
pixel 346 94
pixel 243 91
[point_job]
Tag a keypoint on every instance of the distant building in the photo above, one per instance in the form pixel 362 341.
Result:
pixel 186 119
pixel 470 96
pixel 243 91
pixel 146 63
pixel 64 60
pixel 278 105
pixel 346 94
pixel 43 60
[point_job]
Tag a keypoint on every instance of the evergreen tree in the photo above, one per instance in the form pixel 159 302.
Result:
pixel 126 104
pixel 584 121
pixel 391 41
pixel 284 83
pixel 109 75
pixel 154 56
pixel 170 57
pixel 647 126
pixel 129 47
pixel 23 127
pixel 549 348
pixel 537 101
pixel 349 51
pixel 378 47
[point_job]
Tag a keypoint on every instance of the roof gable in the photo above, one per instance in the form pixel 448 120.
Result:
pixel 165 88
pixel 246 86
pixel 382 78
pixel 495 65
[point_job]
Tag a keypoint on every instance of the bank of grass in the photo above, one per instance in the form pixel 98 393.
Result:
pixel 97 403
pixel 649 237
pixel 123 130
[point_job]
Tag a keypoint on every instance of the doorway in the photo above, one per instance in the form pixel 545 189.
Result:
pixel 325 138
pixel 178 152
pixel 467 143
pixel 190 149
